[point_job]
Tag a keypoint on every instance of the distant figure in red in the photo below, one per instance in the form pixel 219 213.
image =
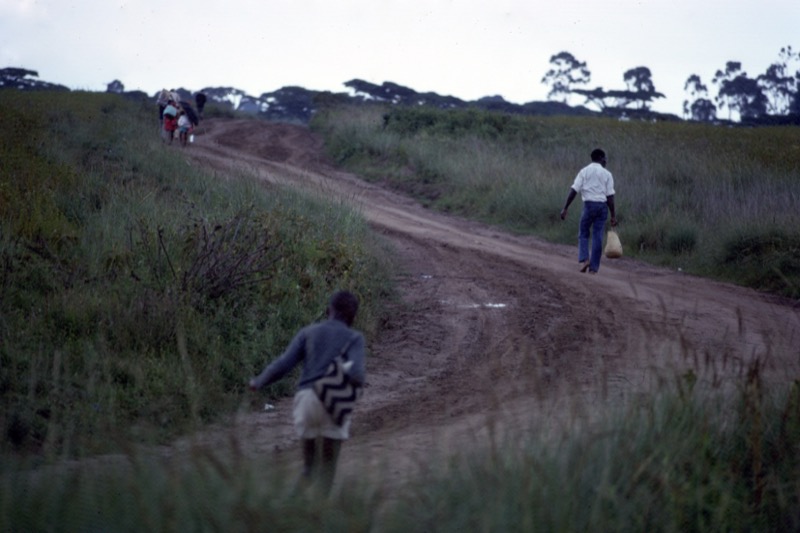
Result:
pixel 170 121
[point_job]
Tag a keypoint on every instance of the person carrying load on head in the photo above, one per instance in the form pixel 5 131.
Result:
pixel 162 101
pixel 170 121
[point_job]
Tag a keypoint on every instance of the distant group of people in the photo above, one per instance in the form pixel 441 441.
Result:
pixel 177 118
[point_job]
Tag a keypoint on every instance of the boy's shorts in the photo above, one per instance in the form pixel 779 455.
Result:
pixel 311 420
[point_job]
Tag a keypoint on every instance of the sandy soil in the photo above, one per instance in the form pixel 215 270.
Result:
pixel 498 327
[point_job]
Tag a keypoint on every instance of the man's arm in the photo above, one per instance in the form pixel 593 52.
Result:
pixel 572 194
pixel 612 210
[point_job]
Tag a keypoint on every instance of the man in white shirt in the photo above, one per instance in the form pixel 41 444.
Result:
pixel 596 186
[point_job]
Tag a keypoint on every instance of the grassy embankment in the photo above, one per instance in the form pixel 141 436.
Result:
pixel 109 301
pixel 138 292
pixel 678 461
pixel 714 201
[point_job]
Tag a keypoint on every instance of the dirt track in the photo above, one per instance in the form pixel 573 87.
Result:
pixel 499 326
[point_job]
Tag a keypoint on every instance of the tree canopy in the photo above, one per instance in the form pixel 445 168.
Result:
pixel 565 74
pixel 774 93
pixel 779 84
pixel 640 90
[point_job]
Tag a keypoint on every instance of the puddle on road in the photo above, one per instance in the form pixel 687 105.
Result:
pixel 474 306
pixel 467 306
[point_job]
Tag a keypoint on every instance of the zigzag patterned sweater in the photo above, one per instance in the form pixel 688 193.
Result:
pixel 316 346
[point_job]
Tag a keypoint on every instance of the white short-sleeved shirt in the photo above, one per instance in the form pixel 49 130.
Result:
pixel 594 183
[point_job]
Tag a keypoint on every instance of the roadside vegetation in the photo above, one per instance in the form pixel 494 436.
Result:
pixel 683 459
pixel 138 292
pixel 718 202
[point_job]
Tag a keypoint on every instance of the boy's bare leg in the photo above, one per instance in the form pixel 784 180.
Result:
pixel 309 447
pixel 330 456
pixel 309 455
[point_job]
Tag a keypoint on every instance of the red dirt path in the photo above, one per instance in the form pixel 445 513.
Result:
pixel 497 326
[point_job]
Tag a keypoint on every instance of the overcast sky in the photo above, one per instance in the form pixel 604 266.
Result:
pixel 467 48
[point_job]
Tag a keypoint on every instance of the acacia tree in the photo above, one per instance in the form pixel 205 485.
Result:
pixel 697 106
pixel 640 89
pixel 566 73
pixel 604 99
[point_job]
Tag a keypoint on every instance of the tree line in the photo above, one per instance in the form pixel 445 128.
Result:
pixel 776 92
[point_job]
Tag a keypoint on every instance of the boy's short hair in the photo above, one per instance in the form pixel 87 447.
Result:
pixel 344 305
pixel 598 154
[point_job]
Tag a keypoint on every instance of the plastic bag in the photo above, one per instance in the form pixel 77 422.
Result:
pixel 613 248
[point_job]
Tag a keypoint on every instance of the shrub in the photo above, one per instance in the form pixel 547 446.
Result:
pixel 681 240
pixel 766 259
pixel 139 293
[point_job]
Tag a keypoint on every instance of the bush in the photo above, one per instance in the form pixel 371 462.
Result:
pixel 681 240
pixel 766 259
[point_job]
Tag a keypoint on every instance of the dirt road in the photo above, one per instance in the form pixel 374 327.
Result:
pixel 501 327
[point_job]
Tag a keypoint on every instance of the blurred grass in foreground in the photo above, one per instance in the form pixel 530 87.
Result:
pixel 678 460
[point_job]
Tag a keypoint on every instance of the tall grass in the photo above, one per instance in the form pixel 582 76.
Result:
pixel 689 196
pixel 201 492
pixel 687 458
pixel 677 461
pixel 138 292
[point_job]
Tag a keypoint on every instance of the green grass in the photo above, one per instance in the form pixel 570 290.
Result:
pixel 138 292
pixel 674 462
pixel 687 194
pixel 689 457
pixel 203 491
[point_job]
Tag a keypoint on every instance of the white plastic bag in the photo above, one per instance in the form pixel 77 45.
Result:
pixel 613 248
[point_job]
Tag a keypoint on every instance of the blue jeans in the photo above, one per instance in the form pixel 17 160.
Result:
pixel 593 220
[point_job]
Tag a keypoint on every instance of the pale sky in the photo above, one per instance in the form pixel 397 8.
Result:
pixel 468 48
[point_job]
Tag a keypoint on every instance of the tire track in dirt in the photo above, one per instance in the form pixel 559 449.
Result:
pixel 496 326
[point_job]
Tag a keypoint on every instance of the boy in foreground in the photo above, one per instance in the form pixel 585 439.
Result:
pixel 316 346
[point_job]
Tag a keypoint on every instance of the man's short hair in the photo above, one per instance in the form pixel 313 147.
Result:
pixel 598 155
pixel 344 305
